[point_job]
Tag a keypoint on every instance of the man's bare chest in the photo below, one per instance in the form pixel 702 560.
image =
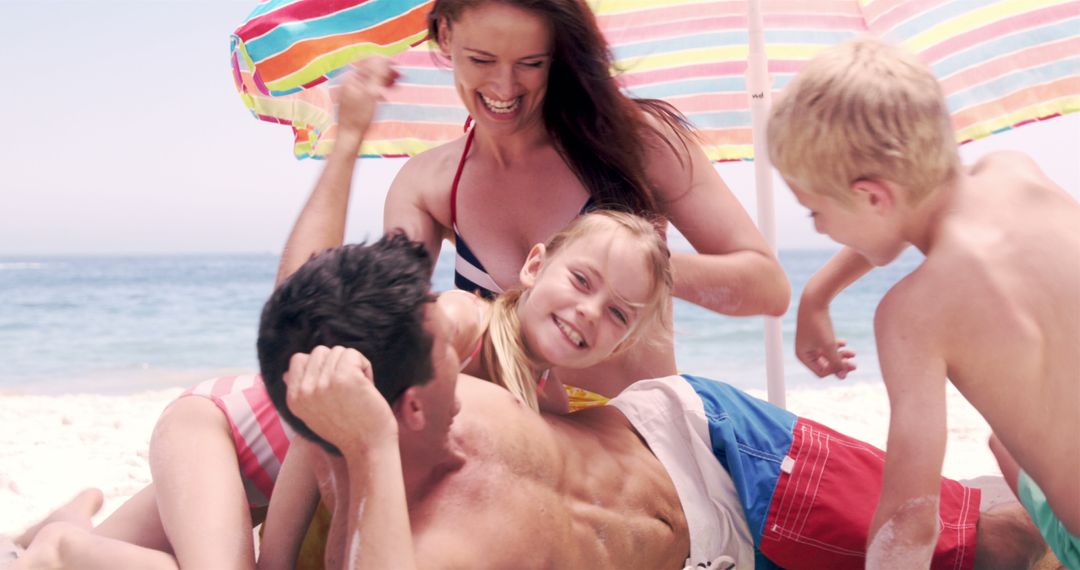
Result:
pixel 599 504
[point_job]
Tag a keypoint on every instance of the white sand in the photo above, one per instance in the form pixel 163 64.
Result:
pixel 862 411
pixel 54 446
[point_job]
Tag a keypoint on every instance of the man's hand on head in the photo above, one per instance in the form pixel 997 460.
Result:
pixel 332 391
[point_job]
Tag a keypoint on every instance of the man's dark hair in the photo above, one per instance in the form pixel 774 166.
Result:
pixel 367 297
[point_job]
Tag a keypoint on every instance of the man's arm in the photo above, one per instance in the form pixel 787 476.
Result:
pixel 904 529
pixel 379 531
pixel 332 392
pixel 321 223
pixel 815 342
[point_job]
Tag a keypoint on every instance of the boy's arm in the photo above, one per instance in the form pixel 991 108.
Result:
pixel 296 495
pixel 904 530
pixel 815 342
pixel 321 223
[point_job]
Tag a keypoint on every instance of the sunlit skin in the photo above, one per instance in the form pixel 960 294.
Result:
pixel 516 188
pixel 990 309
pixel 501 57
pixel 584 302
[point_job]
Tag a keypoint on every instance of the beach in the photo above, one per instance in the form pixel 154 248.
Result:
pixel 55 445
pixel 80 403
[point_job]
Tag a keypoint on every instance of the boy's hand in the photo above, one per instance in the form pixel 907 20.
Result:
pixel 332 391
pixel 360 92
pixel 817 347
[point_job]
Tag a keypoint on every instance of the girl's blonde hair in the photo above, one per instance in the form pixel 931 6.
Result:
pixel 504 354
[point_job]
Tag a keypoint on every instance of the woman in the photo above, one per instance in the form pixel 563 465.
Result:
pixel 552 136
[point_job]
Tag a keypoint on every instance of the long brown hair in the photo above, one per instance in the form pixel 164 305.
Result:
pixel 599 131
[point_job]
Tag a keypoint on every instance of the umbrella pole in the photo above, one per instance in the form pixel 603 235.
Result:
pixel 759 85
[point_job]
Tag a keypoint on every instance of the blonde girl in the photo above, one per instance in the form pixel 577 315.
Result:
pixel 585 296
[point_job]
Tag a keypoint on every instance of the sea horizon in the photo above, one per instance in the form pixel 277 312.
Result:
pixel 108 323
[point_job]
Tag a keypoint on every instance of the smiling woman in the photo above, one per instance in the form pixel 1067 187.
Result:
pixel 501 77
pixel 552 137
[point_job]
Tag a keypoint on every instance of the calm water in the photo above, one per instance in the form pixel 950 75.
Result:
pixel 121 324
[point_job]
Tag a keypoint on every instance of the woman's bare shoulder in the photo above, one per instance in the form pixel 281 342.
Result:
pixel 424 181
pixel 436 163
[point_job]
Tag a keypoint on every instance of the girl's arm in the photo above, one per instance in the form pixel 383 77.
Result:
pixel 733 271
pixel 296 495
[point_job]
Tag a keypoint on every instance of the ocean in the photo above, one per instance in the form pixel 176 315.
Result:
pixel 124 324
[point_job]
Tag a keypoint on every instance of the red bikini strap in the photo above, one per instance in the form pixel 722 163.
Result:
pixel 457 178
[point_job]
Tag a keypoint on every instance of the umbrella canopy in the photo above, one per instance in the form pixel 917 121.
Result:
pixel 1002 63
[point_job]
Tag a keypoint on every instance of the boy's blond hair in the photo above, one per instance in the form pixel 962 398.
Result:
pixel 863 110
pixel 504 354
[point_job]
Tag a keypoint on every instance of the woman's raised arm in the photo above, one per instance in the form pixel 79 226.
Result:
pixel 321 223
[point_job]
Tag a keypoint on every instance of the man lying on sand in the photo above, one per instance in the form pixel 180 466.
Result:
pixel 448 470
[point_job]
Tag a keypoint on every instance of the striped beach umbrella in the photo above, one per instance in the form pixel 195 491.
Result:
pixel 286 53
pixel 1002 63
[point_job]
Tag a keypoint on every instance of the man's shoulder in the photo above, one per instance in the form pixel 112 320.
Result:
pixel 487 406
pixel 473 388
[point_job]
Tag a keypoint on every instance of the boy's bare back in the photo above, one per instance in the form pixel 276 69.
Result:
pixel 998 297
pixel 864 137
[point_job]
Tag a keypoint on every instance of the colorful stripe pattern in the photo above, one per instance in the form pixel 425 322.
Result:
pixel 260 435
pixel 289 45
pixel 1002 63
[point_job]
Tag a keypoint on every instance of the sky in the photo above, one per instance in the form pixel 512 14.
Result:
pixel 123 133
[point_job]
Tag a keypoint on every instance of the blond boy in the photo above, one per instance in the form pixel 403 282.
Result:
pixel 864 139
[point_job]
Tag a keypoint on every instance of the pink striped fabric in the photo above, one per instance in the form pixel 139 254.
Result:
pixel 260 436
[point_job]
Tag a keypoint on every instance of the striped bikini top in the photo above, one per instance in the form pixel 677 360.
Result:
pixel 469 272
